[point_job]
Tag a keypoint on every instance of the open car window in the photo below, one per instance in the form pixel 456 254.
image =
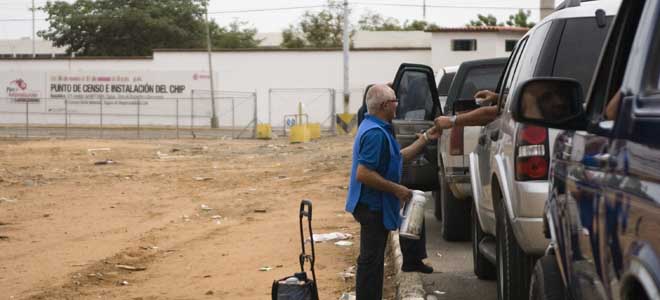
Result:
pixel 414 95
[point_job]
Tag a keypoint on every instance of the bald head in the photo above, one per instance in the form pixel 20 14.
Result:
pixel 377 95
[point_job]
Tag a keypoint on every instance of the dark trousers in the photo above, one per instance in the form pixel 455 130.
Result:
pixel 370 269
pixel 414 251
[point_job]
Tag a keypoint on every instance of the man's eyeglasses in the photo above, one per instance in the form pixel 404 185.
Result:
pixel 392 100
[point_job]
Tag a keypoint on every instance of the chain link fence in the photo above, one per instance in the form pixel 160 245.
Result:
pixel 317 104
pixel 130 117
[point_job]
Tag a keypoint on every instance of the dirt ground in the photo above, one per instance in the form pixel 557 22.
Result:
pixel 66 223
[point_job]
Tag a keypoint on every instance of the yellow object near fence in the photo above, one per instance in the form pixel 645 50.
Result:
pixel 346 124
pixel 264 131
pixel 314 130
pixel 299 134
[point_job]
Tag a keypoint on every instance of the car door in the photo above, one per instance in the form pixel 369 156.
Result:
pixel 629 213
pixel 592 186
pixel 418 105
pixel 489 134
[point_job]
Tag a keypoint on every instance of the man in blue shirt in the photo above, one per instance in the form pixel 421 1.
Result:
pixel 374 193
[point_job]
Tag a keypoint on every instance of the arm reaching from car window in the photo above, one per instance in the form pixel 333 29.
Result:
pixel 478 117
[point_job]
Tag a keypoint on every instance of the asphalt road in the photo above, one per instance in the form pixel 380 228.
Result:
pixel 453 277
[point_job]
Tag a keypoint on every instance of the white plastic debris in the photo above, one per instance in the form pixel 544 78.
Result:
pixel 347 296
pixel 439 292
pixel 344 243
pixel 205 207
pixel 322 237
pixel 8 200
pixel 199 178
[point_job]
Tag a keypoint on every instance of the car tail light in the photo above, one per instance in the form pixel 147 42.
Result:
pixel 456 141
pixel 532 153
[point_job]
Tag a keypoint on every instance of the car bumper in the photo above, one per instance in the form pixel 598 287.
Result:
pixel 459 184
pixel 528 216
pixel 529 234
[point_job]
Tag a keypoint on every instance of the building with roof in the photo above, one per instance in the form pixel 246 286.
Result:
pixel 452 46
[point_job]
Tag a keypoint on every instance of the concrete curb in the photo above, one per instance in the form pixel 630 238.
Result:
pixel 408 284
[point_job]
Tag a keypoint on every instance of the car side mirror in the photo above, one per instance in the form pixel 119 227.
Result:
pixel 550 102
pixel 464 105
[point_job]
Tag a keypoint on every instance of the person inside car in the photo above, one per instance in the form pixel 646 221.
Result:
pixel 478 117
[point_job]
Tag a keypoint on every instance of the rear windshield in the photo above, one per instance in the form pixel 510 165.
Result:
pixel 579 49
pixel 480 78
pixel 445 83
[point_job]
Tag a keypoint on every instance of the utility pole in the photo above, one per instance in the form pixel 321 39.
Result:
pixel 214 117
pixel 424 10
pixel 34 53
pixel 346 44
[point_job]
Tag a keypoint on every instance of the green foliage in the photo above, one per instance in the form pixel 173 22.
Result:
pixel 482 20
pixel 520 19
pixel 236 35
pixel 376 22
pixel 132 27
pixel 372 21
pixel 318 30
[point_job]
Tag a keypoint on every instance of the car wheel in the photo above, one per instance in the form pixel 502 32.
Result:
pixel 514 266
pixel 483 268
pixel 437 210
pixel 455 215
pixel 546 283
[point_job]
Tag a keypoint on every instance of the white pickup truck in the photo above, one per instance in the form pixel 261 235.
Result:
pixel 453 200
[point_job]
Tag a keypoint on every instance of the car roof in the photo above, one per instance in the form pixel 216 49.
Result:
pixel 479 62
pixel 450 69
pixel 586 9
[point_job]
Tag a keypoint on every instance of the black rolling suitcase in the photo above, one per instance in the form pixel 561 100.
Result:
pixel 299 286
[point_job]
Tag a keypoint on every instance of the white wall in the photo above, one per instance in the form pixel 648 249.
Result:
pixel 255 71
pixel 489 45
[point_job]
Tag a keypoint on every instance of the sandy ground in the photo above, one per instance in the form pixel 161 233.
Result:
pixel 66 223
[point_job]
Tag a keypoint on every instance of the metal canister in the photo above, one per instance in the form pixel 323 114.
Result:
pixel 412 216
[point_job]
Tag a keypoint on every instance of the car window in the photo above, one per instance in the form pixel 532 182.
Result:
pixel 579 50
pixel 414 94
pixel 536 42
pixel 511 71
pixel 445 83
pixel 654 57
pixel 480 78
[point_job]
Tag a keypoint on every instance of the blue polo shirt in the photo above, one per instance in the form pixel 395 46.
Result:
pixel 374 154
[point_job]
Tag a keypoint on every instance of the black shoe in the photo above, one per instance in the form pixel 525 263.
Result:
pixel 418 267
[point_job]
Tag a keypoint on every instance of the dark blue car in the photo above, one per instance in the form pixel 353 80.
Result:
pixel 603 208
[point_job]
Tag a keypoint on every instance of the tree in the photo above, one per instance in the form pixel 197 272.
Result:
pixel 371 21
pixel 319 30
pixel 236 35
pixel 376 22
pixel 520 19
pixel 129 27
pixel 482 20
pixel 418 25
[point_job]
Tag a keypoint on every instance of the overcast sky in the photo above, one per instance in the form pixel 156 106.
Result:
pixel 445 12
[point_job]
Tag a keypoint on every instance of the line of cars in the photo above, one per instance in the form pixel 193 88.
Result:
pixel 560 196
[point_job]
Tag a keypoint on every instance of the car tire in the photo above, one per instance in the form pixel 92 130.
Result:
pixel 483 268
pixel 546 282
pixel 455 215
pixel 437 209
pixel 514 266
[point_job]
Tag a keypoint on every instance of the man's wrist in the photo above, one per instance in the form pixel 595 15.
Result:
pixel 452 120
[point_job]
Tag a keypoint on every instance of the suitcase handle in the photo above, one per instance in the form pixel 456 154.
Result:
pixel 306 213
pixel 304 256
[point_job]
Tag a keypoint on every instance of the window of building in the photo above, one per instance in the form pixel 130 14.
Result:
pixel 464 45
pixel 509 45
